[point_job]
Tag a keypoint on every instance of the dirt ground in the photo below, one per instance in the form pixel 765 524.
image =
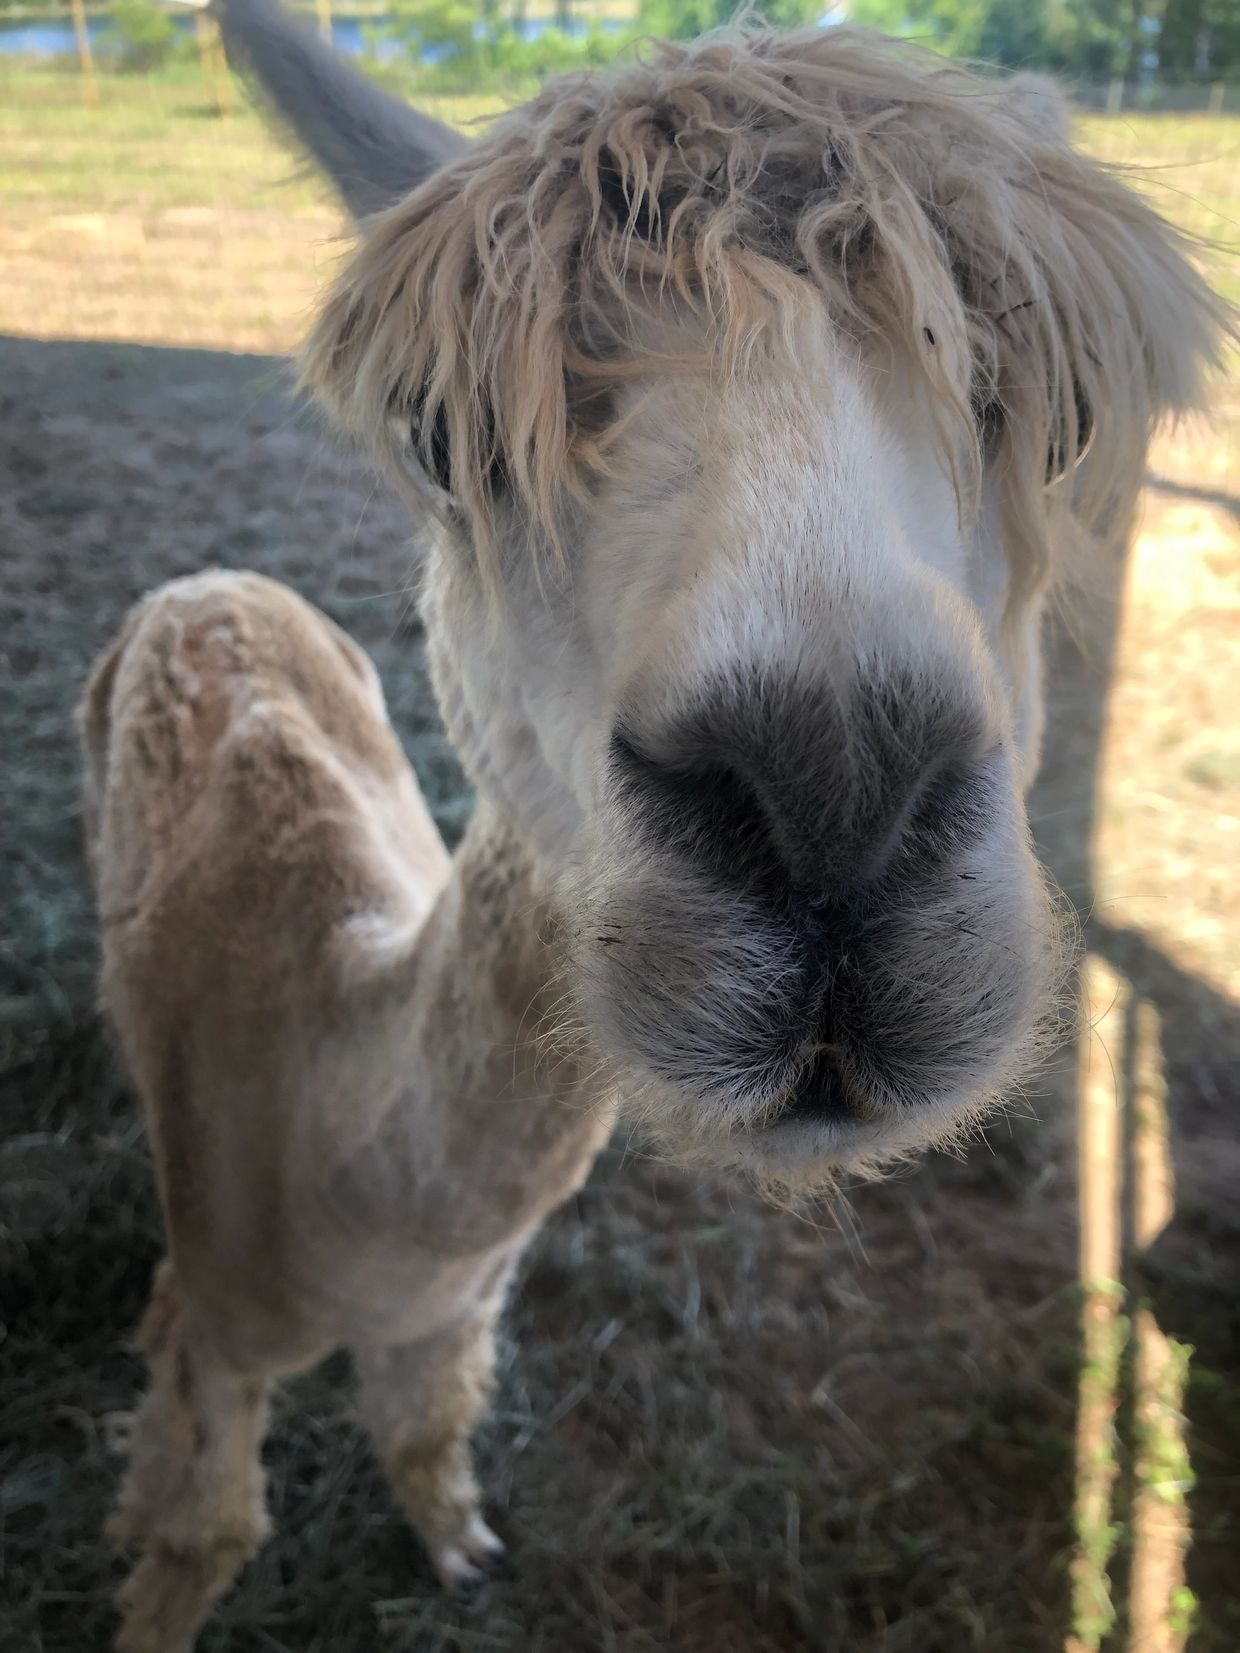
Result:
pixel 721 1428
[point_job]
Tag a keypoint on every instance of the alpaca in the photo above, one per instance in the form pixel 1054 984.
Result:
pixel 271 890
pixel 755 396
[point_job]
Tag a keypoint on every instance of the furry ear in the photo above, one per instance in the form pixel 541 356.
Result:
pixel 1090 323
pixel 1172 316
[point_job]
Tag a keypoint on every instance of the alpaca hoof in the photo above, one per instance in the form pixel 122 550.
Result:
pixel 462 1562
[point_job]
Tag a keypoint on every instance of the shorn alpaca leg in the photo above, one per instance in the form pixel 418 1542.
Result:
pixel 421 1402
pixel 193 1494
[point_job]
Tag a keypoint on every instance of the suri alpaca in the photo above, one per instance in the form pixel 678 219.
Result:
pixel 757 393
pixel 746 391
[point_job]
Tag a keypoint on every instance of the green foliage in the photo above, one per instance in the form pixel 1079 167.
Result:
pixel 1090 38
pixel 1185 1611
pixel 684 19
pixel 471 46
pixel 464 47
pixel 142 36
pixel 1200 38
pixel 950 26
pixel 1166 1469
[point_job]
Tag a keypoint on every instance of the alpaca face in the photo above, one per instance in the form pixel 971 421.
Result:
pixel 760 727
pixel 755 377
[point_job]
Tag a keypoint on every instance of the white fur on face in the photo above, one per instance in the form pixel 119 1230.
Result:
pixel 773 592
pixel 770 714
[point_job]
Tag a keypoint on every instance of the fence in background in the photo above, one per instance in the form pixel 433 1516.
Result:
pixel 1155 97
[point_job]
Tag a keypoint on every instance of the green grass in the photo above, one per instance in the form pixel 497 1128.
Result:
pixel 155 142
pixel 1189 167
pixel 153 218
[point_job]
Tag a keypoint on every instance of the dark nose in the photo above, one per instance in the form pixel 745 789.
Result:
pixel 857 832
pixel 804 803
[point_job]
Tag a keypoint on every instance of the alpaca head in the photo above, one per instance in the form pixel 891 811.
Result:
pixel 753 387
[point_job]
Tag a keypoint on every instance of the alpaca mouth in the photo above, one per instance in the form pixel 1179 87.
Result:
pixel 822 1096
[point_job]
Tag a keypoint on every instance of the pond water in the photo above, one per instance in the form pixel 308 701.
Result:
pixel 53 36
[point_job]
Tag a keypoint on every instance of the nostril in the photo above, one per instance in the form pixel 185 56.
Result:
pixel 808 820
pixel 943 810
pixel 707 809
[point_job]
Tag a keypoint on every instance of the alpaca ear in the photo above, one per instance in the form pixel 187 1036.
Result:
pixel 373 147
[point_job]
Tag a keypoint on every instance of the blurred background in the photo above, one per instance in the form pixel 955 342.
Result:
pixel 993 1404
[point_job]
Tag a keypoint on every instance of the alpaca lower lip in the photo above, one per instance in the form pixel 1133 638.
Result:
pixel 820 1097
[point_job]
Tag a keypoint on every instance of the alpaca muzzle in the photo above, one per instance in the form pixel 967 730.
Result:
pixel 833 924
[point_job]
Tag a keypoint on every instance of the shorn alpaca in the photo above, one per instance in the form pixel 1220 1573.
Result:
pixel 305 999
pixel 747 391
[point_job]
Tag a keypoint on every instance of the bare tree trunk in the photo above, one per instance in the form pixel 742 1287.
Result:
pixel 90 90
pixel 214 64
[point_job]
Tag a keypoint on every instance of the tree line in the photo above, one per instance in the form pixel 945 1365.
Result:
pixel 1131 40
pixel 468 44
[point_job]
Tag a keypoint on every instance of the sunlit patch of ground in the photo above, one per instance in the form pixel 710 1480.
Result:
pixel 1157 1099
pixel 1168 832
pixel 153 219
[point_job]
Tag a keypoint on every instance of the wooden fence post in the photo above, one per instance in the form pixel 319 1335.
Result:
pixel 90 90
pixel 324 9
pixel 214 63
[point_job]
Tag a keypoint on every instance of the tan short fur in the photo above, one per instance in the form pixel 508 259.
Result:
pixel 351 1147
